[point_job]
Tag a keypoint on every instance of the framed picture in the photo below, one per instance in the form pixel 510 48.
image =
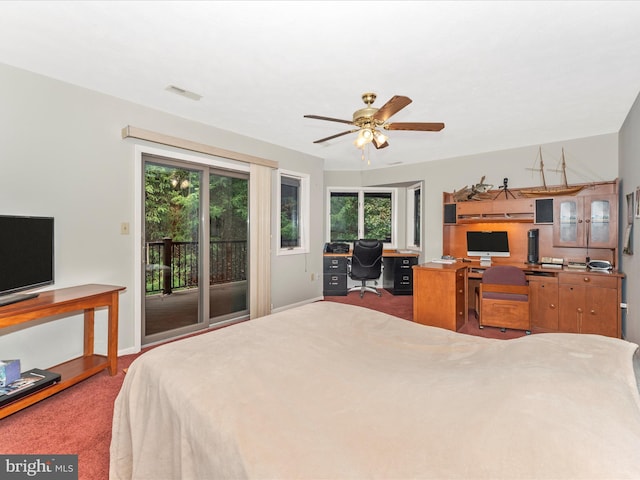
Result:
pixel 637 203
pixel 627 241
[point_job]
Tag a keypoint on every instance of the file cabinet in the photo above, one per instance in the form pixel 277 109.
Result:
pixel 397 274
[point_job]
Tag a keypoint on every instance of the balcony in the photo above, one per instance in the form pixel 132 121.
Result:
pixel 173 266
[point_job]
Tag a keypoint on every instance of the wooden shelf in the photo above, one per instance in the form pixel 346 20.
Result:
pixel 56 302
pixel 497 217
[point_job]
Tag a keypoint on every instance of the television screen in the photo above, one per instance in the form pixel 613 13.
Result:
pixel 26 253
pixel 488 244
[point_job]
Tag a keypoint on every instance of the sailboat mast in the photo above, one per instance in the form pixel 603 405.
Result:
pixel 544 181
pixel 564 170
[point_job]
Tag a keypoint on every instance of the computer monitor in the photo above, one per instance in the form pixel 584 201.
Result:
pixel 485 245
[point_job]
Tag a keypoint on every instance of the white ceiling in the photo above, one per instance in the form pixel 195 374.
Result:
pixel 499 74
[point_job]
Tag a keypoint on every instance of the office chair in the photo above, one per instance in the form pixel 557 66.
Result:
pixel 366 264
pixel 504 299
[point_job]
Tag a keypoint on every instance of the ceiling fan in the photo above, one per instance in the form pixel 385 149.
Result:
pixel 370 119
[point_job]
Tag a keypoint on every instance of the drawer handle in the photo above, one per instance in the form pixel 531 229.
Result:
pixel 552 306
pixel 593 312
pixel 587 279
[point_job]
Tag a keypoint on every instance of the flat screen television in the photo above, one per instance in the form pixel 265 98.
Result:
pixel 26 256
pixel 485 245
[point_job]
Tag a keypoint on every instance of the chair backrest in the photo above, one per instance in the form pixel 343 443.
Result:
pixel 504 275
pixel 366 259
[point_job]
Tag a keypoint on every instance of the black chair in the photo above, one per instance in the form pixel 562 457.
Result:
pixel 366 264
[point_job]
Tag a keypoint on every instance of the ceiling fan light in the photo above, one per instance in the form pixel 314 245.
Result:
pixel 365 136
pixel 379 139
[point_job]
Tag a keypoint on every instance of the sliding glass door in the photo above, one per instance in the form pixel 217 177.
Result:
pixel 195 247
pixel 229 240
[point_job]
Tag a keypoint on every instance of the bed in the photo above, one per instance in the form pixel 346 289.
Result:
pixel 333 391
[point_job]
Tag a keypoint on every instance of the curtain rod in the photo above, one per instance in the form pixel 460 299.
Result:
pixel 141 134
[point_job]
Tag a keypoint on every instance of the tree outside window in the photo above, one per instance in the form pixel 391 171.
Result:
pixel 289 212
pixel 293 213
pixel 361 213
pixel 344 216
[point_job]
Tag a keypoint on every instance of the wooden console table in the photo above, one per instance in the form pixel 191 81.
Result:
pixel 55 302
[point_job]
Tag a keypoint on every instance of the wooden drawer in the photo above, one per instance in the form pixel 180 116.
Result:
pixel 335 265
pixel 593 280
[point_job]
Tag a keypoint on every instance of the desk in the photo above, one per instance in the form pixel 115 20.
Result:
pixel 397 272
pixel 561 300
pixel 52 303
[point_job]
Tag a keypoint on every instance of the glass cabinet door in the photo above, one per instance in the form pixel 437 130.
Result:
pixel 569 225
pixel 588 221
pixel 599 231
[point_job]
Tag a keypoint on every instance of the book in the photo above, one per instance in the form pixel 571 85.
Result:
pixel 29 382
pixel 577 265
pixel 551 265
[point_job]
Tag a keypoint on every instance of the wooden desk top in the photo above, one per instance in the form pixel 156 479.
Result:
pixel 475 269
pixel 385 253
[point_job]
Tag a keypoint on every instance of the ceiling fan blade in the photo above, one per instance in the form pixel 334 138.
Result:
pixel 336 135
pixel 393 106
pixel 419 126
pixel 318 117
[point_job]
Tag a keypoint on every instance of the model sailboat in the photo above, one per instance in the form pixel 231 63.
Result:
pixel 546 191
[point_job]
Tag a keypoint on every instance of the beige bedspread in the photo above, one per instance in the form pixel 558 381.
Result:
pixel 332 391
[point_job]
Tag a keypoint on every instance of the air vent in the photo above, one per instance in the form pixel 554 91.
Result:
pixel 183 92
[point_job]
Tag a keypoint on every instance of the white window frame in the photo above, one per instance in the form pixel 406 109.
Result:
pixel 304 211
pixel 411 241
pixel 361 191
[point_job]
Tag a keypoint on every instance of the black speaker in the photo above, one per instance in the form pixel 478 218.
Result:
pixel 532 245
pixel 450 213
pixel 543 210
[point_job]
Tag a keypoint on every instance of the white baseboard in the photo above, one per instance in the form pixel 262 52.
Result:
pixel 299 304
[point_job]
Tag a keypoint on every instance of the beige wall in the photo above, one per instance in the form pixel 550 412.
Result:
pixel 630 180
pixel 589 159
pixel 62 155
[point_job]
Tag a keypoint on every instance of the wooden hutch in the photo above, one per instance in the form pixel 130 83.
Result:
pixel 573 228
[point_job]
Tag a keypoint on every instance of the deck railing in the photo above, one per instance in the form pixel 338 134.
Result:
pixel 175 265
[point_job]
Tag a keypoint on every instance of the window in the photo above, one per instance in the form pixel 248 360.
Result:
pixel 414 215
pixel 344 216
pixel 362 213
pixel 293 208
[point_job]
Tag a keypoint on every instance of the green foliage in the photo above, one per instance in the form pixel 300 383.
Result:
pixel 289 228
pixel 172 205
pixel 344 218
pixel 377 210
pixel 172 210
pixel 377 218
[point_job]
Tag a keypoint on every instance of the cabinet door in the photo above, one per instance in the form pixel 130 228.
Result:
pixel 590 221
pixel 600 313
pixel 602 221
pixel 589 304
pixel 543 303
pixel 571 301
pixel 569 229
pixel 438 297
